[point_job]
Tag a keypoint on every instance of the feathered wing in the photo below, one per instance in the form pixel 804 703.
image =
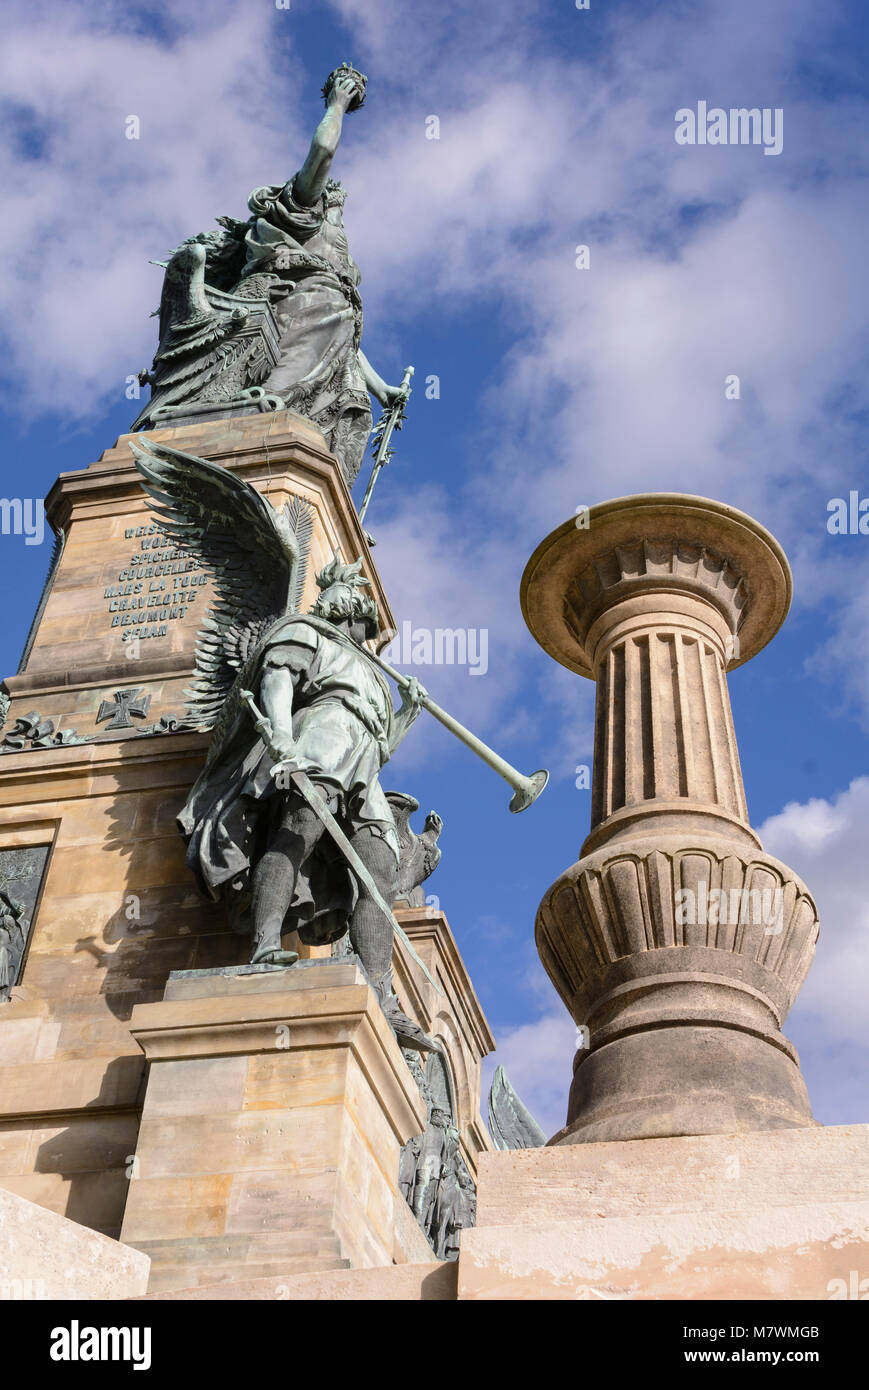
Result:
pixel 299 516
pixel 204 353
pixel 511 1124
pixel 403 806
pixel 254 555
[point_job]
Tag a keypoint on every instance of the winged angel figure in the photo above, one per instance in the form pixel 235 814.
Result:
pixel 252 838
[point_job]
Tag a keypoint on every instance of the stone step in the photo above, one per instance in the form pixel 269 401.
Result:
pixel 409 1283
pixel 720 1172
pixel 814 1252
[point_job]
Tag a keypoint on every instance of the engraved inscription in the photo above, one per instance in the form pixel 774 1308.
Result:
pixel 157 587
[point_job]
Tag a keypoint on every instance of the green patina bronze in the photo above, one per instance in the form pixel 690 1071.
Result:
pixel 266 313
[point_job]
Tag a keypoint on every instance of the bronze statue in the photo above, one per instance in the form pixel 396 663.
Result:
pixel 287 822
pixel 266 313
pixel 11 941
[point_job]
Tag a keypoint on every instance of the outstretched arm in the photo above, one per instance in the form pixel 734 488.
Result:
pixel 311 178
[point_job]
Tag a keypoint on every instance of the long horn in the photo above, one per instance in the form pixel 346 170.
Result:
pixel 525 789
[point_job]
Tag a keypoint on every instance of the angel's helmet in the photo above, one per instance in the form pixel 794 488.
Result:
pixel 340 596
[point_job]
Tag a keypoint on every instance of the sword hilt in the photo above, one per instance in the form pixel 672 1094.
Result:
pixel 261 723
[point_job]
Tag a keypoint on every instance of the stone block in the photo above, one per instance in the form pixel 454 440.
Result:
pixel 43 1255
pixel 301 1100
pixel 780 1215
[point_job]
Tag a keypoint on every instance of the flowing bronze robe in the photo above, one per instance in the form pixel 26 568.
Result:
pixel 342 721
pixel 319 374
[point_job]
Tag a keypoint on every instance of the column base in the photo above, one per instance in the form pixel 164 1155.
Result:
pixel 685 1080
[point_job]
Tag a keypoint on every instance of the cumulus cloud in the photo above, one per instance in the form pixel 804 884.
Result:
pixel 86 207
pixel 825 842
pixel 538 1059
pixel 704 262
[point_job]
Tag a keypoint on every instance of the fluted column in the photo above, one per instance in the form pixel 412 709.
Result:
pixel 676 943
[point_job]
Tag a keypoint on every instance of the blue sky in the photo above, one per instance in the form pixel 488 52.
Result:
pixel 558 387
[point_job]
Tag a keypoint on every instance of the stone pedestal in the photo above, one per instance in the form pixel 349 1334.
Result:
pixel 276 1105
pixel 677 945
pixel 775 1215
pixel 117 909
pixel 114 913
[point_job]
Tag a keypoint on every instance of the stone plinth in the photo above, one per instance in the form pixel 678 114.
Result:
pixel 276 1105
pixel 677 945
pixel 780 1215
pixel 123 606
pixel 118 910
pixel 46 1256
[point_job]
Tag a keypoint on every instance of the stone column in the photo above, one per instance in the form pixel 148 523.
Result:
pixel 677 945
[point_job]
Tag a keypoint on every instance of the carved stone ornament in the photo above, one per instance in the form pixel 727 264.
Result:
pixel 31 731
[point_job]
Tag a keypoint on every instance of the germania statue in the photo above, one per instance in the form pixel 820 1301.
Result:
pixel 266 313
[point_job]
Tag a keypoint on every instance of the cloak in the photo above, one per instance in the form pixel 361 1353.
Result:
pixel 342 721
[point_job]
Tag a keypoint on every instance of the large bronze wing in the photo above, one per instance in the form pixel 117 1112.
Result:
pixel 213 342
pixel 255 555
pixel 511 1124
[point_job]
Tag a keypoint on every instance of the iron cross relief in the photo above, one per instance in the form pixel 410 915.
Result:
pixel 123 704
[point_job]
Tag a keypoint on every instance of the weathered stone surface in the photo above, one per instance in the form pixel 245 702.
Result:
pixel 700 1173
pixel 44 1255
pixel 271 1127
pixel 786 1253
pixel 779 1215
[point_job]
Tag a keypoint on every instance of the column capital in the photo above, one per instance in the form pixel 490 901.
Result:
pixel 655 544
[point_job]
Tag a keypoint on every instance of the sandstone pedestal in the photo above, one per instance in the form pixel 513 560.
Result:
pixel 776 1215
pixel 276 1106
pixel 118 909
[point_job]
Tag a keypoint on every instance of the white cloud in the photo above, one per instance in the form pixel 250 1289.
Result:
pixel 538 1058
pixel 86 208
pixel 825 842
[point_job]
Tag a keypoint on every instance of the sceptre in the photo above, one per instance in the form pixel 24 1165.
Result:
pixel 390 420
